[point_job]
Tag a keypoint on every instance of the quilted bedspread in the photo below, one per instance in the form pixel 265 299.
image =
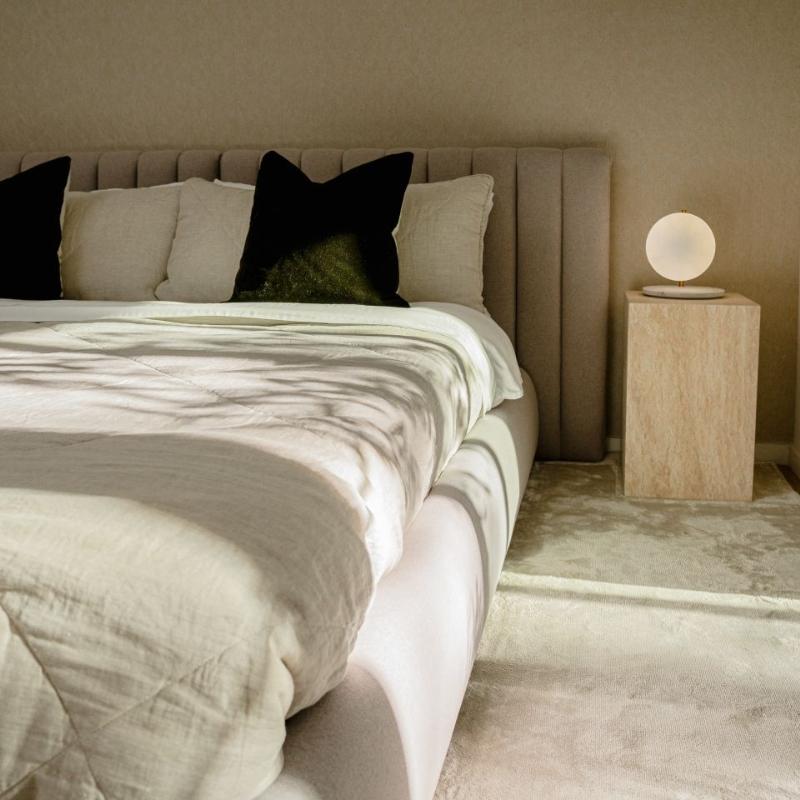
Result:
pixel 193 515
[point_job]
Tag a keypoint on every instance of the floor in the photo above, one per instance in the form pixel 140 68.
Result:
pixel 638 649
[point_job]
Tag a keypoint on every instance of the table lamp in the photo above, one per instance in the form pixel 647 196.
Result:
pixel 681 247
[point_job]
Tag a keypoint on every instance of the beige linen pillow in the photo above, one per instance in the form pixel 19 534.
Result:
pixel 213 221
pixel 440 240
pixel 116 242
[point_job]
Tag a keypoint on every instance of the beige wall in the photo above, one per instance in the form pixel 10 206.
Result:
pixel 794 456
pixel 697 101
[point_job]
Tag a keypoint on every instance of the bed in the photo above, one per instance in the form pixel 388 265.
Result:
pixel 383 731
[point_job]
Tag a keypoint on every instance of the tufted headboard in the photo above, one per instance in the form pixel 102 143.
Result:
pixel 546 259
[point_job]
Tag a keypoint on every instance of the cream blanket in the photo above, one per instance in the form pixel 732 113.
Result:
pixel 193 515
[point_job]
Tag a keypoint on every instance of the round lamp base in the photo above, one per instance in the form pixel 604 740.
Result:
pixel 684 292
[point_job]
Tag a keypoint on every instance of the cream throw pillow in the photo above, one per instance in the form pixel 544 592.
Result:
pixel 440 240
pixel 213 221
pixel 116 242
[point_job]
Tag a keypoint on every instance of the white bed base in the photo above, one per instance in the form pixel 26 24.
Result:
pixel 384 732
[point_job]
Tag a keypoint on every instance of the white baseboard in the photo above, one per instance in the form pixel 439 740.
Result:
pixel 779 452
pixel 794 458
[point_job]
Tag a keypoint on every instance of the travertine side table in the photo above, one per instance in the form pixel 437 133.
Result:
pixel 691 375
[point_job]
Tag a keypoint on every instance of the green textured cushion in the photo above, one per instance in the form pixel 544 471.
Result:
pixel 324 242
pixel 330 271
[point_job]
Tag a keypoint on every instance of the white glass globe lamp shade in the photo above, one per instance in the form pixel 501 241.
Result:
pixel 681 247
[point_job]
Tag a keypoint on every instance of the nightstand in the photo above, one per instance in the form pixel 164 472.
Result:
pixel 691 375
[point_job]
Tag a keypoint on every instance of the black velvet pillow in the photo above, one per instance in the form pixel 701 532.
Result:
pixel 324 242
pixel 30 231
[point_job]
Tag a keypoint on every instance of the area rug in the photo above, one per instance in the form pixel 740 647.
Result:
pixel 637 649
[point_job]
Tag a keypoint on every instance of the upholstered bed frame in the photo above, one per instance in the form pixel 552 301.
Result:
pixel 546 258
pixel 385 730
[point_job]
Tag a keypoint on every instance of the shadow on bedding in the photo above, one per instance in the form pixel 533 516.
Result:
pixel 170 523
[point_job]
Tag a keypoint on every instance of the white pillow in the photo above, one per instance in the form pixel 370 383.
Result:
pixel 440 240
pixel 116 242
pixel 213 220
pixel 234 185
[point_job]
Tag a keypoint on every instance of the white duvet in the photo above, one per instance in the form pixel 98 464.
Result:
pixel 194 512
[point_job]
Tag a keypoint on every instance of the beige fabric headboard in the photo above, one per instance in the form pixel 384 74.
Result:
pixel 546 257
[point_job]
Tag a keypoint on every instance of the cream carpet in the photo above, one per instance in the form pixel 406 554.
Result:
pixel 637 649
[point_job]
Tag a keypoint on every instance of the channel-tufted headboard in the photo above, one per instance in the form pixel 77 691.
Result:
pixel 546 259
